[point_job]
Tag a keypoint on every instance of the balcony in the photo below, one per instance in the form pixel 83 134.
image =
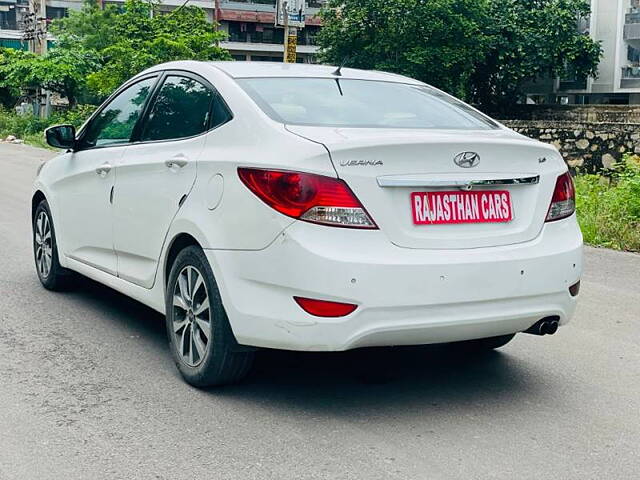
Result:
pixel 632 17
pixel 269 36
pixel 632 31
pixel 266 5
pixel 630 77
pixel 265 48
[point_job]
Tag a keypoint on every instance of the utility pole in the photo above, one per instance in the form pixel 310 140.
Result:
pixel 42 22
pixel 35 33
pixel 285 8
pixel 292 44
pixel 217 12
pixel 35 27
pixel 290 31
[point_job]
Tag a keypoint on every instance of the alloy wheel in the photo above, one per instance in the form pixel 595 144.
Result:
pixel 44 245
pixel 191 316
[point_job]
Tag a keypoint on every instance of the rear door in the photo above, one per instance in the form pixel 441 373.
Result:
pixel 387 169
pixel 157 172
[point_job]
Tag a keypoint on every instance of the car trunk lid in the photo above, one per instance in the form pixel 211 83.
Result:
pixel 387 168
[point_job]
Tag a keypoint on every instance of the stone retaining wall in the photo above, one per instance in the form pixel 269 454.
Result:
pixel 589 146
pixel 573 113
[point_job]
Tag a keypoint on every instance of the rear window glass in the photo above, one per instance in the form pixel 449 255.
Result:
pixel 360 104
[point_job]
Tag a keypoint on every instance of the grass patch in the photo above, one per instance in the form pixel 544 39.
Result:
pixel 37 140
pixel 609 207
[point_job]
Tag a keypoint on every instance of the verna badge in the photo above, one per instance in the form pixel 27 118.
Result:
pixel 361 163
pixel 467 159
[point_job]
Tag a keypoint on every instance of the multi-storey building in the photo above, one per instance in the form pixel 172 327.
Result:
pixel 249 24
pixel 616 25
pixel 11 15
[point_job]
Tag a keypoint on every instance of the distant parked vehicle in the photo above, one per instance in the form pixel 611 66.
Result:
pixel 308 208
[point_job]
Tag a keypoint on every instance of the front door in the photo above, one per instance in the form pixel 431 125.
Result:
pixel 85 190
pixel 84 210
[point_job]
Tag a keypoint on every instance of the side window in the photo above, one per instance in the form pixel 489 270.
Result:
pixel 114 124
pixel 182 109
pixel 220 113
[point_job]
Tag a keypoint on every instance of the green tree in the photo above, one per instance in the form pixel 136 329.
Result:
pixel 61 71
pixel 90 28
pixel 136 37
pixel 438 41
pixel 481 50
pixel 528 40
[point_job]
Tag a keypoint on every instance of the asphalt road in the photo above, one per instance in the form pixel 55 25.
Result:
pixel 88 390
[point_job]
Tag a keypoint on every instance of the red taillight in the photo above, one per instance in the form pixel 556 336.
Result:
pixel 323 308
pixel 563 202
pixel 306 196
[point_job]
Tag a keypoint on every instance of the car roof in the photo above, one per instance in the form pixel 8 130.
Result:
pixel 241 69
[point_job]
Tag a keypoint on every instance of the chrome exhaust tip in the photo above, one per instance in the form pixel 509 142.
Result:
pixel 546 326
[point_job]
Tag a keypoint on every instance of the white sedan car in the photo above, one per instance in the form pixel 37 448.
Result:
pixel 307 207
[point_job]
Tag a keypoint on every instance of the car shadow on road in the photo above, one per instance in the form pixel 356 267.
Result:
pixel 141 320
pixel 374 380
pixel 355 382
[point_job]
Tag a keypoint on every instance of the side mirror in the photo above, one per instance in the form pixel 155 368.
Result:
pixel 61 136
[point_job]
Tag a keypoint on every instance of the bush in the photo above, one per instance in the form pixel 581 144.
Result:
pixel 75 116
pixel 609 208
pixel 20 125
pixel 31 128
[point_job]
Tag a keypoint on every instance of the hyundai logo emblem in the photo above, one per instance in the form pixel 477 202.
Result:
pixel 467 159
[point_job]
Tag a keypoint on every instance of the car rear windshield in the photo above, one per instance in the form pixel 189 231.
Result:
pixel 361 104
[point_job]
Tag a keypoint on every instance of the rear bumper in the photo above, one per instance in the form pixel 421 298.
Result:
pixel 404 296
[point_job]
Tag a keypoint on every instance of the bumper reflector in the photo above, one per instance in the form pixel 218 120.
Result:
pixel 323 308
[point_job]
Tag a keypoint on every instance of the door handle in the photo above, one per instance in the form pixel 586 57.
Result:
pixel 178 161
pixel 103 169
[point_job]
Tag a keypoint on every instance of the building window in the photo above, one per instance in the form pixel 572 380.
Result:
pixel 307 35
pixel 264 58
pixel 237 32
pixel 264 33
pixel 54 13
pixel 8 17
pixel 254 33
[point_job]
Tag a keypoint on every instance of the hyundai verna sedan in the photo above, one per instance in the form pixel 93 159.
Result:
pixel 308 208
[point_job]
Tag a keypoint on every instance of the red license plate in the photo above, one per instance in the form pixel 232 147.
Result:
pixel 487 206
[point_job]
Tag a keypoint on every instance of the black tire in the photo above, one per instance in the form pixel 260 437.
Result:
pixel 485 344
pixel 45 251
pixel 223 361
